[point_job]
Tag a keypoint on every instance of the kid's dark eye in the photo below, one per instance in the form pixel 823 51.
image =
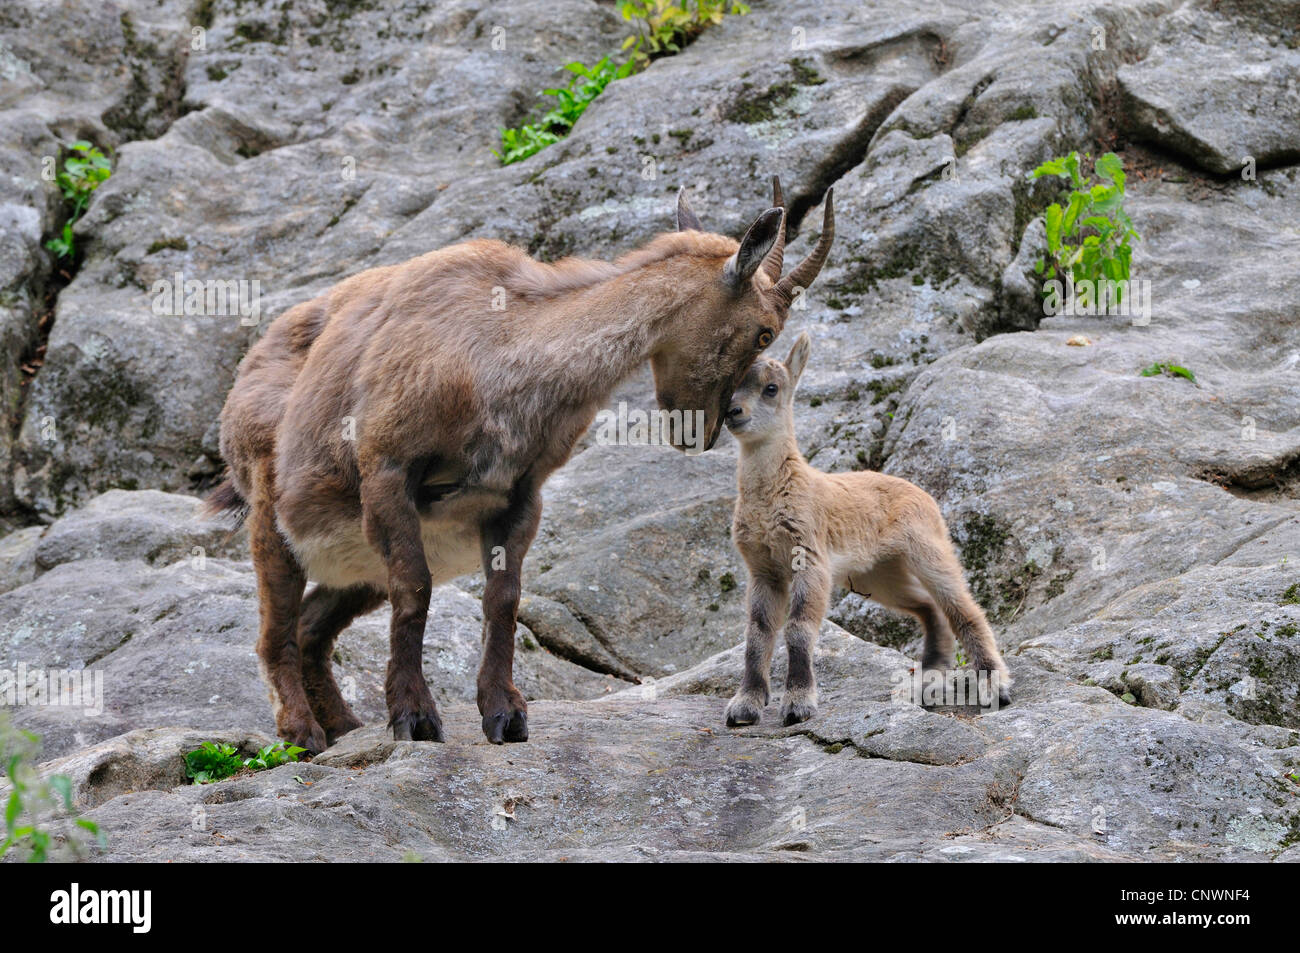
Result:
pixel 764 338
pixel 769 390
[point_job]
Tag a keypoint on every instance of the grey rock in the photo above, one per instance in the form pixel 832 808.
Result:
pixel 18 557
pixel 1240 105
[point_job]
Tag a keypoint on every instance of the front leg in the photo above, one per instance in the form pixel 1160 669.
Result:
pixel 392 526
pixel 767 599
pixel 505 539
pixel 809 595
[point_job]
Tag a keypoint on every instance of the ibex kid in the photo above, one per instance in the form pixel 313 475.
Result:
pixel 802 532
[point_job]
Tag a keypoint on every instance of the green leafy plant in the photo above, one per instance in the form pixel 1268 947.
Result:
pixel 273 756
pixel 83 170
pixel 1089 238
pixel 571 101
pixel 39 816
pixel 1172 370
pixel 664 27
pixel 213 762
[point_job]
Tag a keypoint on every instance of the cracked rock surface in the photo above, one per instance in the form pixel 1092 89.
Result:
pixel 1135 540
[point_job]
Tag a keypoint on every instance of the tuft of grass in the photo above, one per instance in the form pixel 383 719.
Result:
pixel 84 168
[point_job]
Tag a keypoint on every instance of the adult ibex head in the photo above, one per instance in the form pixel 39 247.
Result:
pixel 735 316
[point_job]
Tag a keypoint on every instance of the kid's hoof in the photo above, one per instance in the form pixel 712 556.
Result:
pixel 742 711
pixel 1004 695
pixel 417 727
pixel 506 726
pixel 792 713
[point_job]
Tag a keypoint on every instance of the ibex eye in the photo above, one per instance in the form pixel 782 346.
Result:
pixel 764 338
pixel 769 390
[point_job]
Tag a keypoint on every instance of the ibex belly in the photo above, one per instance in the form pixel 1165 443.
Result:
pixel 344 557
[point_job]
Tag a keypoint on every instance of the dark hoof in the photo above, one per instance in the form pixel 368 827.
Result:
pixel 794 714
pixel 743 710
pixel 506 726
pixel 1004 697
pixel 417 727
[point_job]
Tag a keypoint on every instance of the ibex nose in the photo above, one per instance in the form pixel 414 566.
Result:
pixel 735 411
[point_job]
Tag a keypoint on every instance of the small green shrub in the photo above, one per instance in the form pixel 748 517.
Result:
pixel 664 27
pixel 1088 239
pixel 1172 370
pixel 213 762
pixel 570 102
pixel 83 170
pixel 39 817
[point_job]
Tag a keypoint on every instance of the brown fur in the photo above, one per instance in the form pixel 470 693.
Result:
pixel 395 432
pixel 802 532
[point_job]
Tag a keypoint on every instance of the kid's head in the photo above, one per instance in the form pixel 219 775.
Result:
pixel 761 406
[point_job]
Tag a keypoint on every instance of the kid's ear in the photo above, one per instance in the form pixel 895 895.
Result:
pixel 798 358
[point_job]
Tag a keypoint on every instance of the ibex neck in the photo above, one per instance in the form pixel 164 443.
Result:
pixel 768 464
pixel 597 336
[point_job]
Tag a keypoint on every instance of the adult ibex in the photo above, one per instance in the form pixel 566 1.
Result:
pixel 395 431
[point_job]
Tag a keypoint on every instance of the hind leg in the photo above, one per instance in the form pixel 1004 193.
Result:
pixel 939 641
pixel 941 574
pixel 280 583
pixel 325 613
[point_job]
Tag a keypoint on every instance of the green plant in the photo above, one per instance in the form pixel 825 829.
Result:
pixel 273 756
pixel 1173 370
pixel 570 102
pixel 1088 239
pixel 83 170
pixel 38 811
pixel 213 762
pixel 664 27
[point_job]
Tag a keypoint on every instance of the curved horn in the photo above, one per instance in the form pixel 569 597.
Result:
pixel 686 218
pixel 807 270
pixel 775 259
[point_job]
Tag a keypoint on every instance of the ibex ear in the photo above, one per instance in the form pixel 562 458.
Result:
pixel 758 241
pixel 686 218
pixel 798 359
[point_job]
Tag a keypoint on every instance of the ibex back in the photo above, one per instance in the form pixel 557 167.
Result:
pixel 395 431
